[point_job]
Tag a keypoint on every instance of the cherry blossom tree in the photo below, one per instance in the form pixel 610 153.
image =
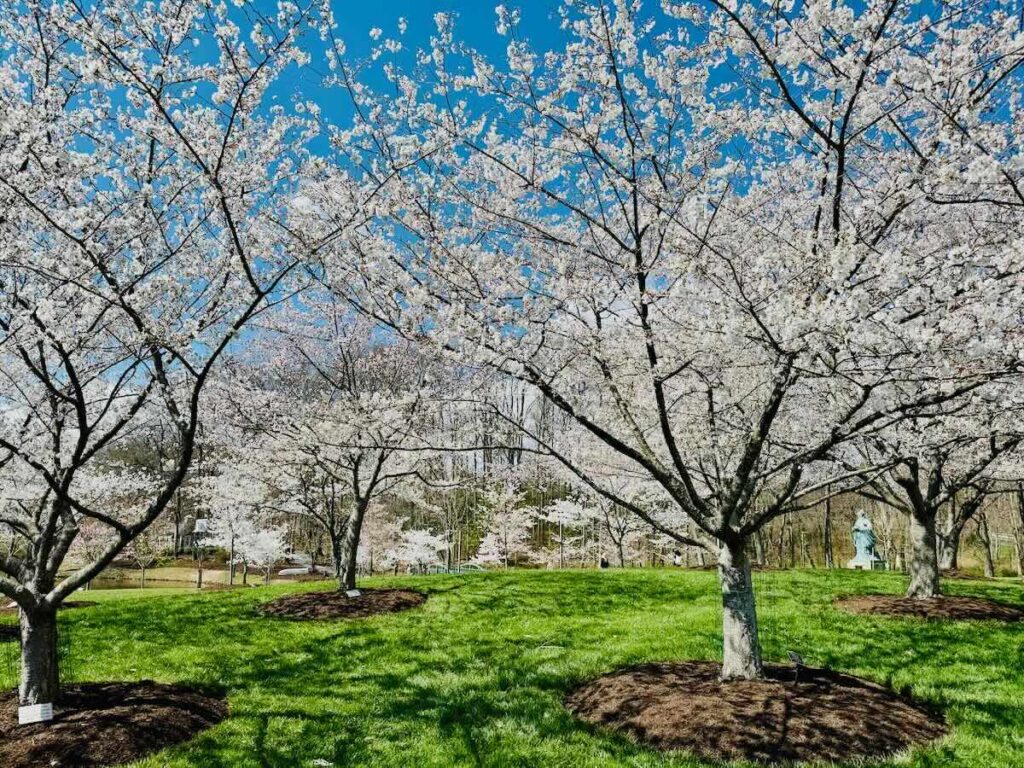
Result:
pixel 571 517
pixel 233 503
pixel 144 551
pixel 332 417
pixel 721 244
pixel 944 462
pixel 418 549
pixel 142 226
pixel 622 527
pixel 510 524
pixel 376 544
pixel 263 546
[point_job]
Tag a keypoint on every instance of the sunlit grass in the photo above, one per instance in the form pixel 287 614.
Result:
pixel 476 676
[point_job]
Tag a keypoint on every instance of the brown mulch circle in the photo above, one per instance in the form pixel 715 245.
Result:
pixel 98 724
pixel 825 716
pixel 338 605
pixel 949 607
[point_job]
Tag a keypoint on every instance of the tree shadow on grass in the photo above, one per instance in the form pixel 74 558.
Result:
pixel 477 675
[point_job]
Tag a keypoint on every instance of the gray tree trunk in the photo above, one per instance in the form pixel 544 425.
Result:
pixel 986 546
pixel 338 557
pixel 40 678
pixel 350 547
pixel 924 561
pixel 741 647
pixel 949 548
pixel 826 534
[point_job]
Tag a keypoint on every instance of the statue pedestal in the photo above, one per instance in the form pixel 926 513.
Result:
pixel 864 561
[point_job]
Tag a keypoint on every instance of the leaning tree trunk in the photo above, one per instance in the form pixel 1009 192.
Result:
pixel 924 561
pixel 741 647
pixel 40 677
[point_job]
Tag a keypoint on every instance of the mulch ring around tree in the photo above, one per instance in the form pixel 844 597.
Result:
pixel 98 724
pixel 338 605
pixel 946 607
pixel 825 716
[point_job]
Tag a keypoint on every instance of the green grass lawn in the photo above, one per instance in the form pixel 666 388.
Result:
pixel 476 676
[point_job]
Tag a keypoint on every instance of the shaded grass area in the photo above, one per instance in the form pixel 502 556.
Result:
pixel 476 675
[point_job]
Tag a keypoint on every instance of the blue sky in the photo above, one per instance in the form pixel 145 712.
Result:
pixel 475 25
pixel 475 20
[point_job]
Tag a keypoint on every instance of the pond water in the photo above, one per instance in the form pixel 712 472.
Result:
pixel 101 584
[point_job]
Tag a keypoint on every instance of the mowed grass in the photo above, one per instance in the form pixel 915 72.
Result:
pixel 476 676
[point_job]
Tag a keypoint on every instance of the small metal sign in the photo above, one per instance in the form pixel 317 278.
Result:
pixel 35 713
pixel 353 593
pixel 798 664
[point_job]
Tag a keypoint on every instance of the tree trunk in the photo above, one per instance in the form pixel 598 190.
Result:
pixel 561 545
pixel 142 578
pixel 350 547
pixel 827 534
pixel 790 546
pixel 986 545
pixel 231 562
pixel 338 557
pixel 178 520
pixel 40 677
pixel 741 647
pixel 622 554
pixel 1019 530
pixel 805 547
pixel 949 547
pixel 924 562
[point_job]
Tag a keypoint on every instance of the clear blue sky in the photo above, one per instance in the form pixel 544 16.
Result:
pixel 474 24
pixel 475 21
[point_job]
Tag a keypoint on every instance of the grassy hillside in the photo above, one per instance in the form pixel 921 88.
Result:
pixel 476 676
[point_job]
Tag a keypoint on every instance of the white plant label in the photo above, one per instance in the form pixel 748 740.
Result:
pixel 353 593
pixel 35 713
